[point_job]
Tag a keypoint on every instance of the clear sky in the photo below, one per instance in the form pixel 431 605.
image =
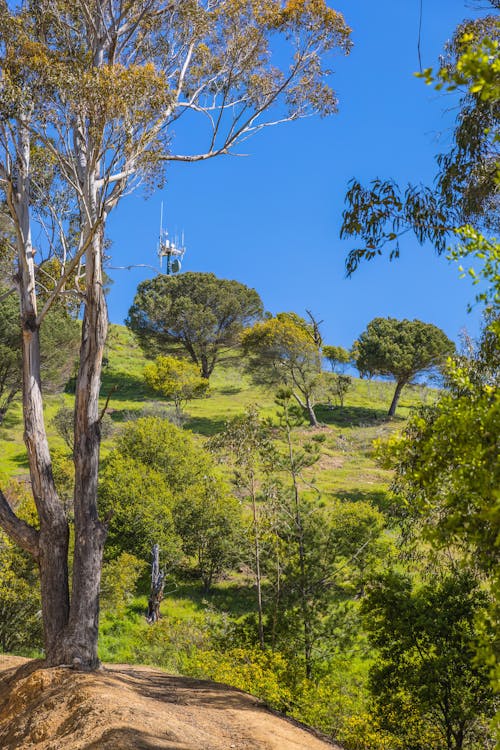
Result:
pixel 271 219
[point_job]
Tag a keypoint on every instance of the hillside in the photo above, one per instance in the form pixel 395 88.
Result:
pixel 123 707
pixel 211 634
pixel 347 465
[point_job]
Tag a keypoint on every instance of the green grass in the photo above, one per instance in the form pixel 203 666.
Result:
pixel 193 621
pixel 346 469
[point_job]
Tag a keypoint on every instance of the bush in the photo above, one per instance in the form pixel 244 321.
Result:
pixel 264 674
pixel 119 581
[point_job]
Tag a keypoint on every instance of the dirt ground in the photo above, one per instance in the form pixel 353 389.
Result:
pixel 122 707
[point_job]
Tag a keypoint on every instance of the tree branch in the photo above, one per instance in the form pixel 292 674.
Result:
pixel 21 532
pixel 64 277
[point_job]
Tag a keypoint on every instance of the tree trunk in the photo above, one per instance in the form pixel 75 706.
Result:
pixel 307 406
pixel 157 586
pixel 397 393
pixel 310 413
pixel 90 532
pixel 52 553
pixel 206 367
pixel 257 565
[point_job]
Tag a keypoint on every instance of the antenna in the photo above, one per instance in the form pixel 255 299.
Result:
pixel 169 249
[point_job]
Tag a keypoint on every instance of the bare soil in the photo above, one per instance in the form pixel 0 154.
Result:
pixel 122 707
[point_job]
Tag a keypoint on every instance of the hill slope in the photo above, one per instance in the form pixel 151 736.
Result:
pixel 124 707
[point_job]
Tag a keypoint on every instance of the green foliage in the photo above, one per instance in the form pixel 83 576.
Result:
pixel 426 685
pixel 340 385
pixel 315 556
pixel 487 253
pixel 172 642
pixel 246 441
pixel 140 503
pixel 208 522
pixel 159 445
pixel 59 346
pixel 477 67
pixel 284 350
pixel 20 617
pixel 401 349
pixel 447 476
pixel 466 190
pixel 20 623
pixel 314 566
pixel 119 579
pixel 337 356
pixel 261 673
pixel 63 470
pixel 200 312
pixel 161 487
pixel 176 379
pixel 454 501
pixel 10 351
pixel 382 212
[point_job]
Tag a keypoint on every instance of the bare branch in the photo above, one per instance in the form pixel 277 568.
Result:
pixel 105 407
pixel 64 277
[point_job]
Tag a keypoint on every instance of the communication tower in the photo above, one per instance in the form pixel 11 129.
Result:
pixel 172 250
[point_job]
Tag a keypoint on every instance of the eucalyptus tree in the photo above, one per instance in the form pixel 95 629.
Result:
pixel 284 350
pixel 89 94
pixel 466 187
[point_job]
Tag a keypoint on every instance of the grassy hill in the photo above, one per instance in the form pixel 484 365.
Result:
pixel 346 468
pixel 203 635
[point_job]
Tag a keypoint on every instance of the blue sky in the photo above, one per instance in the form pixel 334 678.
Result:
pixel 271 219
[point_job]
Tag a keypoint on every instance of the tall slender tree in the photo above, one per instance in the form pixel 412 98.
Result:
pixel 89 92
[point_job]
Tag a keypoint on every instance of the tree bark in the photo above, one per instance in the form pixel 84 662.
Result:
pixel 206 367
pixel 311 414
pixel 52 552
pixel 257 563
pixel 397 393
pixel 157 586
pixel 90 532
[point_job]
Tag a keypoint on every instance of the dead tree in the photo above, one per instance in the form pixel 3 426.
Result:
pixel 157 586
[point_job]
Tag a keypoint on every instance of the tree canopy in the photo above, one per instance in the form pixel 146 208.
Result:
pixel 284 350
pixel 337 356
pixel 176 379
pixel 427 687
pixel 162 487
pixel 200 312
pixel 465 190
pixel 455 503
pixel 401 349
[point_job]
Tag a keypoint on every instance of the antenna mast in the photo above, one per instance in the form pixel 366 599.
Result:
pixel 172 250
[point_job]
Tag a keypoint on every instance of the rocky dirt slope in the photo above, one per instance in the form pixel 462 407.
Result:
pixel 124 707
